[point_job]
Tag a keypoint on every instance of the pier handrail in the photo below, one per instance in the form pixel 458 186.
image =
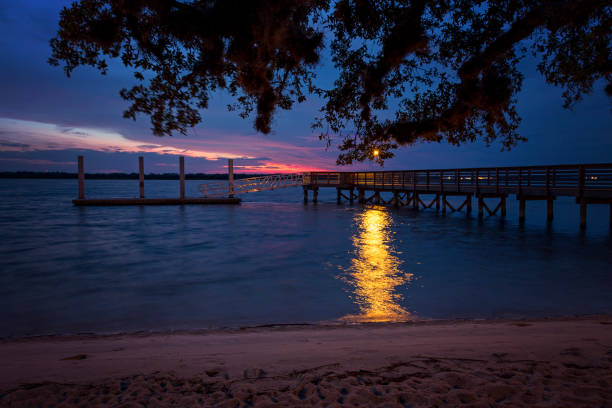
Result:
pixel 568 179
pixel 252 184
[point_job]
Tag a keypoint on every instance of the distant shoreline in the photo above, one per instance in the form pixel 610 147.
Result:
pixel 119 176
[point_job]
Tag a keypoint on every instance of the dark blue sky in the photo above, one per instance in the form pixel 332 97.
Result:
pixel 46 120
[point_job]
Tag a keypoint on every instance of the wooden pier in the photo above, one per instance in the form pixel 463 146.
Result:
pixel 587 183
pixel 181 200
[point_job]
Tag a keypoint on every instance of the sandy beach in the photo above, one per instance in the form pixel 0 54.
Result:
pixel 540 363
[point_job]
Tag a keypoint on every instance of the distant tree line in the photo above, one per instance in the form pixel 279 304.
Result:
pixel 117 176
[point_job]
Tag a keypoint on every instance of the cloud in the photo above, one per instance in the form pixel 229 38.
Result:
pixel 4 143
pixel 50 136
pixel 252 153
pixel 37 161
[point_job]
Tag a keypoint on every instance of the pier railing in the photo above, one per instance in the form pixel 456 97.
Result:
pixel 251 185
pixel 571 180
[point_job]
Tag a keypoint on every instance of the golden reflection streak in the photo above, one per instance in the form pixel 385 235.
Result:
pixel 376 270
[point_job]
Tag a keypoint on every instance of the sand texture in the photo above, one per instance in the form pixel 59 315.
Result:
pixel 540 363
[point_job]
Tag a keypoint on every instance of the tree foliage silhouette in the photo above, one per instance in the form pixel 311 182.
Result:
pixel 408 71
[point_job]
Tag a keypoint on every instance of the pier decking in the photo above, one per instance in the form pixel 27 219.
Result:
pixel 105 202
pixel 588 183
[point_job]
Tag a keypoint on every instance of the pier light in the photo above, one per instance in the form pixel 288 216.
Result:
pixel 375 152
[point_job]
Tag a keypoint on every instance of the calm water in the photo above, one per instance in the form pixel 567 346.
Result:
pixel 272 259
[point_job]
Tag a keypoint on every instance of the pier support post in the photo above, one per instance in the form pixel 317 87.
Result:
pixel 315 195
pixel 443 204
pixel 141 175
pixel 352 196
pixel 503 206
pixel 415 201
pixel 549 209
pixel 522 210
pixel 82 179
pixel 437 202
pixel 611 215
pixel 468 207
pixel 583 214
pixel 305 195
pixel 396 199
pixel 361 196
pixel 230 170
pixel 480 207
pixel 338 196
pixel 182 176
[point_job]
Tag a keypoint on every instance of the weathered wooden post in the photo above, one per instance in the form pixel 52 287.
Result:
pixel 182 176
pixel 503 206
pixel 230 169
pixel 81 178
pixel 339 195
pixel 480 206
pixel 141 175
pixel 315 195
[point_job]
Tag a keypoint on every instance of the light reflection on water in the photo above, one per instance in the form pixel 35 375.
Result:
pixel 375 270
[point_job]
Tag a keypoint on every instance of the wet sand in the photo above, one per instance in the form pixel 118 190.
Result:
pixel 540 363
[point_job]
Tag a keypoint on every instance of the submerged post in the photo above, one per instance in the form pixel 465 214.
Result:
pixel 81 178
pixel 141 175
pixel 583 214
pixel 549 209
pixel 230 170
pixel 182 176
pixel 522 210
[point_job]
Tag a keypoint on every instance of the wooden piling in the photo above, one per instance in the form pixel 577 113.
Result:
pixel 503 206
pixel 480 207
pixel 305 195
pixel 141 175
pixel 338 196
pixel 583 214
pixel 352 199
pixel 437 202
pixel 549 209
pixel 522 209
pixel 182 176
pixel 315 195
pixel 81 178
pixel 230 170
pixel 468 208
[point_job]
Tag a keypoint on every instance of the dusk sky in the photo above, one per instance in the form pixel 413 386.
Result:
pixel 47 119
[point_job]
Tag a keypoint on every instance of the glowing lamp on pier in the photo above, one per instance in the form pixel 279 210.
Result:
pixel 375 152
